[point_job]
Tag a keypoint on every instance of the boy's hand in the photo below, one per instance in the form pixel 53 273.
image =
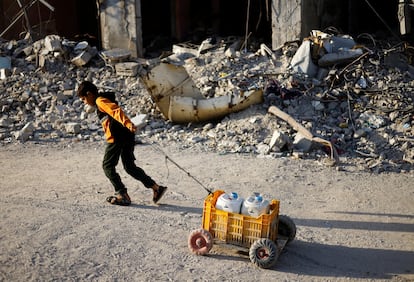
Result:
pixel 133 128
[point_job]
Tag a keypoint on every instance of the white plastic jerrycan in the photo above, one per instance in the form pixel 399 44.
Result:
pixel 229 202
pixel 255 205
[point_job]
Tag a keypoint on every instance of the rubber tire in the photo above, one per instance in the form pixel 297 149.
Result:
pixel 200 241
pixel 263 253
pixel 286 227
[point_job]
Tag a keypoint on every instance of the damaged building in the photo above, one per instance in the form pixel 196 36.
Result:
pixel 336 76
pixel 147 27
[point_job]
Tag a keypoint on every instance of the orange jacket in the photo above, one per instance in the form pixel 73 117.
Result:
pixel 107 106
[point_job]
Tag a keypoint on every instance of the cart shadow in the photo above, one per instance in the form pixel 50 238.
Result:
pixel 228 257
pixel 358 225
pixel 232 253
pixel 315 259
pixel 322 260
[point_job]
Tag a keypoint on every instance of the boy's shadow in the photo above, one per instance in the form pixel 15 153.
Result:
pixel 167 207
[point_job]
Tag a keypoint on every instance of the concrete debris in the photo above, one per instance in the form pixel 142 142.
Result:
pixel 115 55
pixel 185 48
pixel 5 67
pixel 302 61
pixel 25 133
pixel 82 59
pixel 340 57
pixel 304 138
pixel 140 121
pixel 302 143
pixel 73 127
pixel 363 107
pixel 279 141
pixel 53 43
pixel 126 69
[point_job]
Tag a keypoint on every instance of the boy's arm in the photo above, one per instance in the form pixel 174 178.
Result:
pixel 115 111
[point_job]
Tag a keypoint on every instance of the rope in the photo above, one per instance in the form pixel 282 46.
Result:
pixel 167 158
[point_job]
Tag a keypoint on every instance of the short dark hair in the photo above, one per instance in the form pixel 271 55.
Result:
pixel 86 86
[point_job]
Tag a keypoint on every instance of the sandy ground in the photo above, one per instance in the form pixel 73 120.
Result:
pixel 56 225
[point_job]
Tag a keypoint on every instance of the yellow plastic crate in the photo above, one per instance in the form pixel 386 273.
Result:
pixel 238 229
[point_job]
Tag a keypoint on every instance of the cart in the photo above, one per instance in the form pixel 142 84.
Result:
pixel 264 237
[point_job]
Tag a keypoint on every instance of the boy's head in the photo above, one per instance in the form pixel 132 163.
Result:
pixel 87 92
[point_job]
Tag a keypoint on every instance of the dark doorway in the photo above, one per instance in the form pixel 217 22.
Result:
pixel 377 17
pixel 70 19
pixel 168 22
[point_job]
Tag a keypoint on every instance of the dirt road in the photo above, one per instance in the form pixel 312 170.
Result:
pixel 56 225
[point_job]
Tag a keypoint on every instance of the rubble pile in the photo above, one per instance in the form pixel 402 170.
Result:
pixel 362 104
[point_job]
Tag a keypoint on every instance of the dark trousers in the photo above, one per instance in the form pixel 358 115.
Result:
pixel 113 152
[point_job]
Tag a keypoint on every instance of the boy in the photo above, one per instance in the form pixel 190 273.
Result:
pixel 120 136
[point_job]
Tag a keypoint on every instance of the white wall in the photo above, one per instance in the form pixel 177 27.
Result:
pixel 286 21
pixel 119 25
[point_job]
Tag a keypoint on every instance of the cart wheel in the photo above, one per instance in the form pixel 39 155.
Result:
pixel 263 253
pixel 200 241
pixel 287 227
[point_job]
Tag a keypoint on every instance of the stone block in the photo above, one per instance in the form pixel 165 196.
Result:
pixel 126 69
pixel 82 59
pixel 301 143
pixel 140 120
pixel 185 48
pixel 116 55
pixel 72 127
pixel 5 67
pixel 25 132
pixel 53 43
pixel 278 141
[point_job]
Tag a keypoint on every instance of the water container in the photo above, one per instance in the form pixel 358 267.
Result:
pixel 229 202
pixel 255 205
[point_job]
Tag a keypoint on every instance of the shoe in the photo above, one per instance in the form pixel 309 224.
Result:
pixel 121 199
pixel 158 193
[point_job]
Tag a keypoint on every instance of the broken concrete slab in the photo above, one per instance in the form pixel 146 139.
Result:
pixel 5 67
pixel 73 127
pixel 115 55
pixel 279 141
pixel 52 43
pixel 140 120
pixel 82 59
pixel 186 47
pixel 302 60
pixel 302 143
pixel 27 131
pixel 126 69
pixel 342 56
